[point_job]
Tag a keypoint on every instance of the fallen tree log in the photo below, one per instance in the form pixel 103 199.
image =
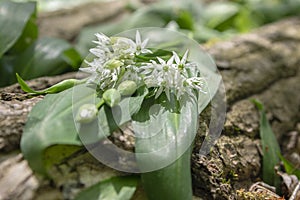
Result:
pixel 263 64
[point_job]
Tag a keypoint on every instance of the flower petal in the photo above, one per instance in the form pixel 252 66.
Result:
pixel 161 61
pixel 138 39
pixel 177 59
pixel 159 91
pixel 170 61
pixel 144 43
pixel 184 58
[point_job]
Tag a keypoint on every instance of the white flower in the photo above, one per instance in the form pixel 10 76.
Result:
pixel 197 83
pixel 123 46
pixel 162 75
pixel 103 40
pixel 140 46
pixel 172 76
pixel 115 61
pixel 180 63
pixel 98 52
pixel 132 73
pixel 104 75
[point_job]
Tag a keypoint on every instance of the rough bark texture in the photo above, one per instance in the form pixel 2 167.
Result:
pixel 16 179
pixel 262 65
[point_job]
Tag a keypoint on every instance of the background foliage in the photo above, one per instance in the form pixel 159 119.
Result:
pixel 21 51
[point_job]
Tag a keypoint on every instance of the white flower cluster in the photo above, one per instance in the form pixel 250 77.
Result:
pixel 115 62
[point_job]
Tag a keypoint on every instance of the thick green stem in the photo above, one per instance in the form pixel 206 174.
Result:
pixel 172 182
pixel 100 103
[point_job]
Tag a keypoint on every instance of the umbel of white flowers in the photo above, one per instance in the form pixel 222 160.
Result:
pixel 114 62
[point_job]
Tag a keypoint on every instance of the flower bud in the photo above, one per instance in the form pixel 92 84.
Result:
pixel 127 88
pixel 113 64
pixel 112 97
pixel 86 113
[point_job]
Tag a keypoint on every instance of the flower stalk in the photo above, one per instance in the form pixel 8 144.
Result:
pixel 172 182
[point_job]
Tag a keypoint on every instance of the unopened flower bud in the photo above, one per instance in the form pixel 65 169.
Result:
pixel 86 113
pixel 127 88
pixel 112 97
pixel 113 64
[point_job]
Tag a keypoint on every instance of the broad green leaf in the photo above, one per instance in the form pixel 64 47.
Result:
pixel 44 58
pixel 6 70
pixel 289 167
pixel 271 149
pixel 13 19
pixel 116 188
pixel 219 13
pixel 51 123
pixel 155 15
pixel 59 87
pixel 245 20
pixel 185 20
pixel 161 13
pixel 29 35
pixel 72 57
pixel 203 34
pixel 57 153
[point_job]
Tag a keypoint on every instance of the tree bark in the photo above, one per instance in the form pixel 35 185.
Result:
pixel 263 65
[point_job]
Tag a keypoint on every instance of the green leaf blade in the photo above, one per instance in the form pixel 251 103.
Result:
pixel 24 85
pixel 42 58
pixel 29 35
pixel 13 19
pixel 289 167
pixel 59 87
pixel 271 149
pixel 51 122
pixel 115 188
pixel 45 57
pixel 219 13
pixel 72 57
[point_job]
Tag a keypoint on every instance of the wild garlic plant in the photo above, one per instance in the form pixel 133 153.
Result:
pixel 121 68
pixel 118 68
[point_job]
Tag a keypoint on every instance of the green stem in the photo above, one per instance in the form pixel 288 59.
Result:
pixel 100 103
pixel 172 182
pixel 59 87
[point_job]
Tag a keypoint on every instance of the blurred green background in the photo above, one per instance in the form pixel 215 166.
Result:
pixel 24 51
